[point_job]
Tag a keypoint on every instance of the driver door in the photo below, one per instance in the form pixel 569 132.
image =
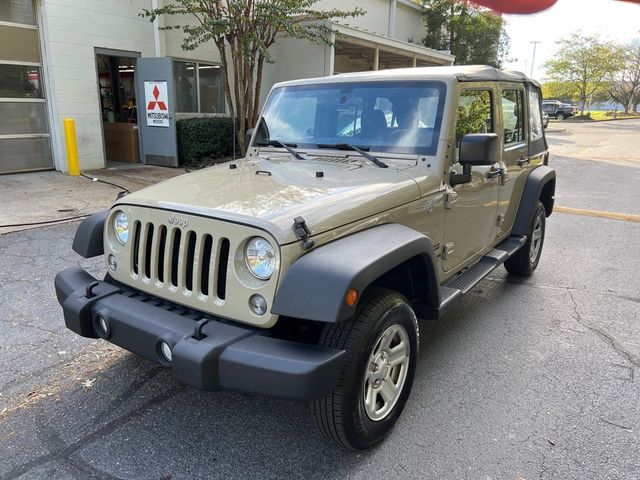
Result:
pixel 472 208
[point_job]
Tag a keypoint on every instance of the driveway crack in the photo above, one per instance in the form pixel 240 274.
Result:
pixel 617 425
pixel 64 453
pixel 611 341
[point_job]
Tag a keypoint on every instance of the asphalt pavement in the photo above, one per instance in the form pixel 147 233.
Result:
pixel 522 379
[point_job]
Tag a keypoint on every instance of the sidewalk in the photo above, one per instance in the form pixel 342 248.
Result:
pixel 49 196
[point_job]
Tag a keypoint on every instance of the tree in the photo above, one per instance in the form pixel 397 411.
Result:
pixel 583 62
pixel 561 91
pixel 473 34
pixel 624 85
pixel 243 31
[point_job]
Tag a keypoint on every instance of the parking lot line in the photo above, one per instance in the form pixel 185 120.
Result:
pixel 627 217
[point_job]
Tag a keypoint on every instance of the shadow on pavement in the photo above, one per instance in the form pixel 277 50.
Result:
pixel 135 421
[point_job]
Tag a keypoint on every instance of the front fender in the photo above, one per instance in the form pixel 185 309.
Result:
pixel 315 286
pixel 88 240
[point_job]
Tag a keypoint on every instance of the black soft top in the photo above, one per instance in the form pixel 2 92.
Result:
pixel 484 73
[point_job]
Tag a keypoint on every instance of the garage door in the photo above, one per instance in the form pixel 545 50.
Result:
pixel 25 139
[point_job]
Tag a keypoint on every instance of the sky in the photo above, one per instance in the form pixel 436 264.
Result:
pixel 613 20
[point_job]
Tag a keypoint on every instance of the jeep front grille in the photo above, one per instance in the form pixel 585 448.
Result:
pixel 180 259
pixel 197 263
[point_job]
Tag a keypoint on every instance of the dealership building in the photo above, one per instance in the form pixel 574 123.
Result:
pixel 78 59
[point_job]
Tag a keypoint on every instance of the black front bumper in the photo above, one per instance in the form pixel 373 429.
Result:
pixel 229 356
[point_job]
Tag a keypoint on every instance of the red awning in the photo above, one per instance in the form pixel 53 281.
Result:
pixel 523 6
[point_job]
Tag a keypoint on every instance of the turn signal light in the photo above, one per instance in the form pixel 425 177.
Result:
pixel 352 297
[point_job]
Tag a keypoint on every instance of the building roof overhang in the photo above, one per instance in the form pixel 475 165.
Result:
pixel 373 40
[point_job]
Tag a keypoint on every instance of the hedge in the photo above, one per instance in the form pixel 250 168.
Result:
pixel 202 139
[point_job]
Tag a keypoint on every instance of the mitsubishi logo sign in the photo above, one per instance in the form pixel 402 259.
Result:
pixel 156 94
pixel 157 101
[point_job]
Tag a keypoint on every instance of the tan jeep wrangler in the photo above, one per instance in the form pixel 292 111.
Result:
pixel 366 201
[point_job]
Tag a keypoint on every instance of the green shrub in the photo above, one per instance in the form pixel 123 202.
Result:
pixel 203 139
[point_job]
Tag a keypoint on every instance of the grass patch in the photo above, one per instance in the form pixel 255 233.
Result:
pixel 601 115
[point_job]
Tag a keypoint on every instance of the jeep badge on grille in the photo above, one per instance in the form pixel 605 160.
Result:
pixel 178 221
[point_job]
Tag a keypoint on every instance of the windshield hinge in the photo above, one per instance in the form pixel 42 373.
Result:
pixel 449 199
pixel 302 232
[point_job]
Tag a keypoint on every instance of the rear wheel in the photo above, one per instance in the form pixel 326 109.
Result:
pixel 381 342
pixel 526 260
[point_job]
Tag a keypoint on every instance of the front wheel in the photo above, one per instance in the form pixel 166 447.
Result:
pixel 381 342
pixel 526 260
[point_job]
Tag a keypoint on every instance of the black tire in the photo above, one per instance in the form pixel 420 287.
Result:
pixel 524 262
pixel 342 415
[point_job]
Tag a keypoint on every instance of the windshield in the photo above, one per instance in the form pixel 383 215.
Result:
pixel 400 117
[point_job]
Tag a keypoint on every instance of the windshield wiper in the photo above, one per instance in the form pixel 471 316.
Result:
pixel 278 143
pixel 360 150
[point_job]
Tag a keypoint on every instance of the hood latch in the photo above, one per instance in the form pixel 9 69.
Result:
pixel 302 232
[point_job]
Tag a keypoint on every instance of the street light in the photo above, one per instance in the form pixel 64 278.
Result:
pixel 533 59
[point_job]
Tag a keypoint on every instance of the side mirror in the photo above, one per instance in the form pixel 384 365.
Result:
pixel 476 149
pixel 247 137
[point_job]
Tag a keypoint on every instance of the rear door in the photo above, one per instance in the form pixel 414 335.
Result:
pixel 521 126
pixel 515 151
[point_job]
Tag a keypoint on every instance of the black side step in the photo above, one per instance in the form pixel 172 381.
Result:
pixel 465 281
pixel 470 277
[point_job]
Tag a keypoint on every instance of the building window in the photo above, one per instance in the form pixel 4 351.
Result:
pixel 20 81
pixel 198 87
pixel 19 44
pixel 184 77
pixel 17 11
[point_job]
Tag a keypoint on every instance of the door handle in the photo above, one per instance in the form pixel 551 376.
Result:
pixel 522 161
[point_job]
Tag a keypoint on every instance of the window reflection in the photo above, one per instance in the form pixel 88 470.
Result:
pixel 17 11
pixel 401 117
pixel 20 81
pixel 198 87
pixel 211 97
pixel 184 75
pixel 513 116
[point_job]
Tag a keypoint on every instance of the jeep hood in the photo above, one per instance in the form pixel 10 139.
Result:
pixel 269 194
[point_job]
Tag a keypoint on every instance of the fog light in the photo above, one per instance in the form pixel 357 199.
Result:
pixel 113 264
pixel 102 326
pixel 258 304
pixel 165 351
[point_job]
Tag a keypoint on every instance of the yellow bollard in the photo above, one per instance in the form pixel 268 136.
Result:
pixel 72 147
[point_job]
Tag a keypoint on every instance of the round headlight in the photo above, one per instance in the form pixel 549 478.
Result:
pixel 121 227
pixel 260 258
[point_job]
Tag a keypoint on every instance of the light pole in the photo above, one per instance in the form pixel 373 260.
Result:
pixel 533 58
